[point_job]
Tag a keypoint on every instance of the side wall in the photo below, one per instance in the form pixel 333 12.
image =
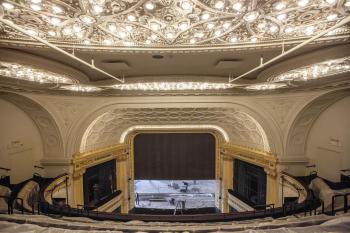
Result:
pixel 21 146
pixel 328 145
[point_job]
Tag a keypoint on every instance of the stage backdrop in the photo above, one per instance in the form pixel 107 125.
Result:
pixel 174 156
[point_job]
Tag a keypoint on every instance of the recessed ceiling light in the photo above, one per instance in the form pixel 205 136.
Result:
pixel 87 19
pixel 281 17
pixel 309 30
pixel 108 41
pixel 302 3
pixel 170 35
pixel 129 28
pixel 273 28
pixel 35 7
pixel 149 5
pixel 67 31
pixel 233 39
pixel 183 26
pixel 289 29
pixel 332 17
pixel 210 25
pixel 51 33
pixel 57 9
pixel 55 21
pixel 280 6
pixel 219 4
pixel 199 34
pixel 186 5
pixel 226 25
pixel 7 6
pixel 131 18
pixel 98 9
pixel 251 16
pixel 155 26
pixel 237 6
pixel 112 27
pixel 205 16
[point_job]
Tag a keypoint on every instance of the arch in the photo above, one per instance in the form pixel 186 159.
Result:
pixel 109 122
pixel 299 129
pixel 46 124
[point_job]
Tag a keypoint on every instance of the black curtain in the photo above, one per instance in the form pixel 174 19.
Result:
pixel 174 156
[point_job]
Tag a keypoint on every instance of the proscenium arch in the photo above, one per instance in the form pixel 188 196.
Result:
pixel 296 139
pixel 241 124
pixel 46 124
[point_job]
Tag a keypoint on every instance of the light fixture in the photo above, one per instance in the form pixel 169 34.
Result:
pixel 186 5
pixel 111 27
pixel 210 25
pixel 265 86
pixel 233 39
pixel 80 88
pixel 309 30
pixel 29 73
pixel 107 41
pixel 56 9
pixel 55 21
pixel 237 6
pixel 281 17
pixel 35 7
pixel 98 9
pixel 332 17
pixel 183 26
pixel 149 6
pixel 280 6
pixel 251 16
pixel 199 34
pixel 172 86
pixel 131 18
pixel 7 5
pixel 289 29
pixel 51 33
pixel 253 39
pixel 315 71
pixel 219 4
pixel 87 19
pixel 205 16
pixel 302 3
pixel 155 26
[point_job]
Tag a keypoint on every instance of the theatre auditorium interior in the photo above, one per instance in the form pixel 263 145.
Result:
pixel 174 116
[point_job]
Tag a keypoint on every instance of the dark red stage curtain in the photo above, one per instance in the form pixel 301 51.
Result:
pixel 174 156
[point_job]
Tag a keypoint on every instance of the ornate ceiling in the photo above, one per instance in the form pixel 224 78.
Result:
pixel 174 24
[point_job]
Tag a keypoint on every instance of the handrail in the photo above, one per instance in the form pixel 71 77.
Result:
pixel 345 207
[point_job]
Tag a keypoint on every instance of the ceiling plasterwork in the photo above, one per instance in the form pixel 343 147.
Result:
pixel 241 127
pixel 148 24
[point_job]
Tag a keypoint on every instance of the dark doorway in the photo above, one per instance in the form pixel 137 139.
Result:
pixel 250 182
pixel 99 183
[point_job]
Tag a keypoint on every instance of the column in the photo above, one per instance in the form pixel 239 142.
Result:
pixel 272 188
pixel 227 181
pixel 122 183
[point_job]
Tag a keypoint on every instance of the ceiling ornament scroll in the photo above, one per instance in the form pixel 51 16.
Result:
pixel 148 24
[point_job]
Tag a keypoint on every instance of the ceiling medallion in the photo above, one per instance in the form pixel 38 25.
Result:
pixel 172 24
pixel 315 71
pixel 32 74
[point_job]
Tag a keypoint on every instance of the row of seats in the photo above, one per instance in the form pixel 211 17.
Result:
pixel 41 223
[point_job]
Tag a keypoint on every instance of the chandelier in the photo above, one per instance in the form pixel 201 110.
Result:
pixel 173 86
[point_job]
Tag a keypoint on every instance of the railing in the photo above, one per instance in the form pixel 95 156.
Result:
pixel 345 207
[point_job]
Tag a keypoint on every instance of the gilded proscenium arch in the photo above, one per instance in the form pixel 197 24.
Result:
pixel 220 138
